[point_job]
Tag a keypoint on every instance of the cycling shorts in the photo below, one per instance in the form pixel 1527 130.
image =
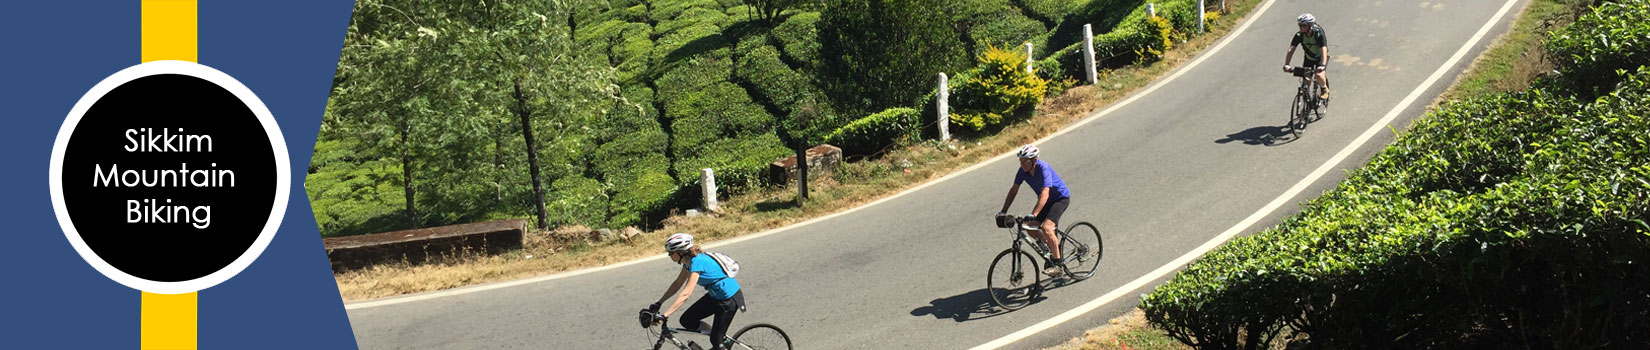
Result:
pixel 1054 209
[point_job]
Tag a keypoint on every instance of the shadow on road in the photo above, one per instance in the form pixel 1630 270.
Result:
pixel 977 304
pixel 969 306
pixel 1261 136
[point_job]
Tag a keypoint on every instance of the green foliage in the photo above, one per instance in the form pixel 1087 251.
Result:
pixel 798 39
pixel 692 17
pixel 357 193
pixel 1046 9
pixel 665 11
pixel 430 88
pixel 740 164
pixel 685 43
pixel 874 133
pixel 579 200
pixel 1001 88
pixel 1599 46
pixel 884 53
pixel 1006 27
pixel 1509 220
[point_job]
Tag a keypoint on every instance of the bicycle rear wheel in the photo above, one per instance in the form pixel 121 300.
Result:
pixel 1013 279
pixel 1082 248
pixel 761 336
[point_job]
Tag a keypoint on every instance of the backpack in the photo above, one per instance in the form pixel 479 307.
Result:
pixel 729 266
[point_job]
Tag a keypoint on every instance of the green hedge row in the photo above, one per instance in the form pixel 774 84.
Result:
pixel 798 39
pixel 1614 37
pixel 876 132
pixel 1507 221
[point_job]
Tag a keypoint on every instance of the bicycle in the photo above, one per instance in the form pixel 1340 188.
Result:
pixel 757 336
pixel 1081 257
pixel 1307 107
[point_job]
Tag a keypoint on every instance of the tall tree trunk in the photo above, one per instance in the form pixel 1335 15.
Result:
pixel 407 174
pixel 532 157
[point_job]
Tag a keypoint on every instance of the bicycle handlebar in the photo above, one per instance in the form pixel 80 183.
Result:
pixel 650 318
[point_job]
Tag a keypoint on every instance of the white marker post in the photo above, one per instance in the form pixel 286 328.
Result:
pixel 1028 58
pixel 707 189
pixel 943 105
pixel 1088 54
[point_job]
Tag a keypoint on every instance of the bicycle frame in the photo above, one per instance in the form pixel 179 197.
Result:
pixel 1308 84
pixel 669 333
pixel 1021 234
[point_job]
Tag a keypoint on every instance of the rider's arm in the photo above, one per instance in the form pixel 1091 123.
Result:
pixel 691 279
pixel 1295 40
pixel 1042 198
pixel 1010 200
pixel 1325 55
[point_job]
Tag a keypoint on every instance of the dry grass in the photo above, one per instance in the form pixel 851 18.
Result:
pixel 854 184
pixel 1518 57
pixel 1127 332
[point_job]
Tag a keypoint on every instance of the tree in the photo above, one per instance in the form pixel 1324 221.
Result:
pixel 441 84
pixel 886 53
pixel 769 10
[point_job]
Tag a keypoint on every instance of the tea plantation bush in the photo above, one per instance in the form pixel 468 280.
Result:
pixel 876 132
pixel 1614 37
pixel 1513 220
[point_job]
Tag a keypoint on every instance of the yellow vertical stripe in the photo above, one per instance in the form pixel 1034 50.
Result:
pixel 169 321
pixel 169 30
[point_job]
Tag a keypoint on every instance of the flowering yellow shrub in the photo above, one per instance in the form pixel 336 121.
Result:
pixel 999 88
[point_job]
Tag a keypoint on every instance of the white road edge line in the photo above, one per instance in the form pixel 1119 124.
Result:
pixel 1264 211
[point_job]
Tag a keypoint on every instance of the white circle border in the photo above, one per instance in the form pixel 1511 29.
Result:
pixel 283 174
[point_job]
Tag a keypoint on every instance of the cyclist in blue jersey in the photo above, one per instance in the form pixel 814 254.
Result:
pixel 1052 199
pixel 723 298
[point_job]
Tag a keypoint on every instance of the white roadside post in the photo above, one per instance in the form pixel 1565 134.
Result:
pixel 707 189
pixel 1151 10
pixel 1088 54
pixel 943 106
pixel 1028 58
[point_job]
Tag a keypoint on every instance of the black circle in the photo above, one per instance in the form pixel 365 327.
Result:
pixel 111 139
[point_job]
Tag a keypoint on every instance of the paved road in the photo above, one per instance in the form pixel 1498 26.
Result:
pixel 1160 176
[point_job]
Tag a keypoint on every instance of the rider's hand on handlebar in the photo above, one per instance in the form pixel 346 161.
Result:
pixel 1287 68
pixel 653 308
pixel 1321 68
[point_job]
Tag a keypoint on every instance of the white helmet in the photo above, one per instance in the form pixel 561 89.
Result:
pixel 1306 18
pixel 1027 151
pixel 678 242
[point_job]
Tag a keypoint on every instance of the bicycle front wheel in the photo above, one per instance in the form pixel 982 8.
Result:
pixel 1013 279
pixel 1298 115
pixel 1082 248
pixel 761 336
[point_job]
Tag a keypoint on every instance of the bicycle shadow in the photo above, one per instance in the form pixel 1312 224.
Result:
pixel 970 306
pixel 1262 136
pixel 977 304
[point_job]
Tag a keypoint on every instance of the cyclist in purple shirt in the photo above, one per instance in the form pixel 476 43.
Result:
pixel 1052 199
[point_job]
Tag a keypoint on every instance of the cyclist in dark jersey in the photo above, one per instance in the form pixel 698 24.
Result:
pixel 1052 199
pixel 1315 44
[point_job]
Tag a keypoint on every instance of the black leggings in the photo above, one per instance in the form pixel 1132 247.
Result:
pixel 722 309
